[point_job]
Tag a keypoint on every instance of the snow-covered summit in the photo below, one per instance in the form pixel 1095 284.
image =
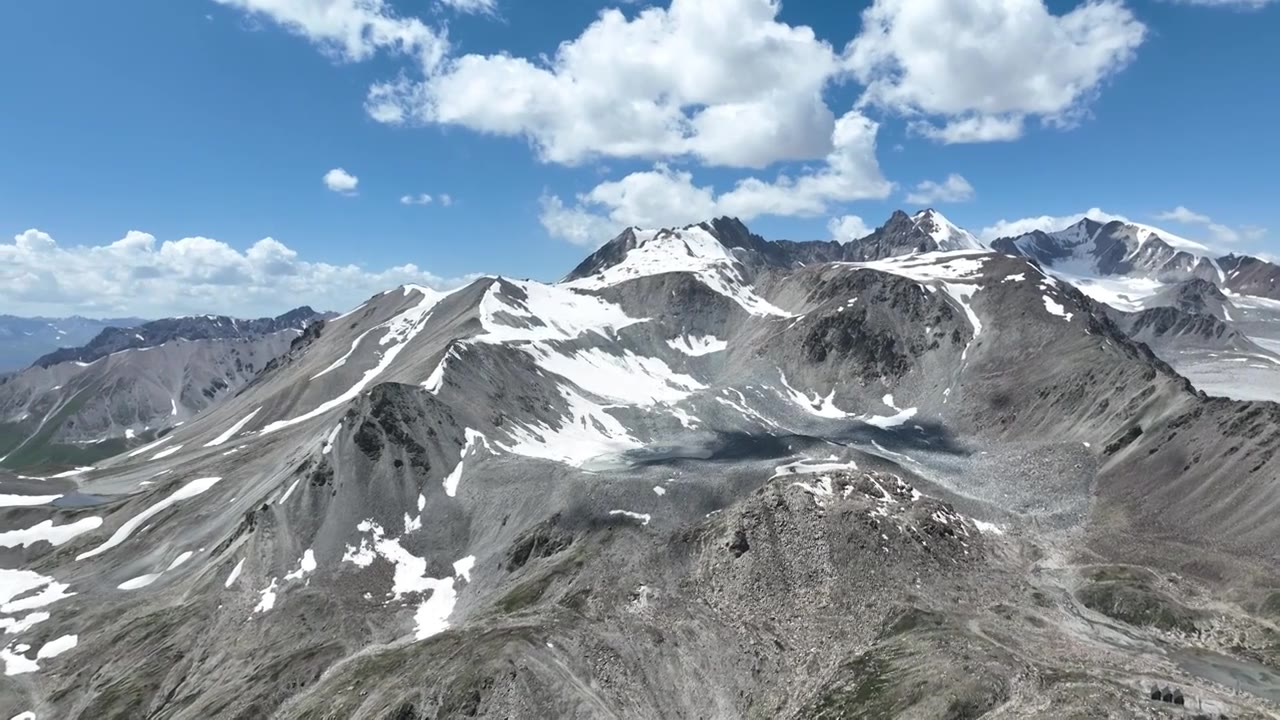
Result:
pixel 945 234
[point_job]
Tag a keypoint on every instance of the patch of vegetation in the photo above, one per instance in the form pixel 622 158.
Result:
pixel 529 592
pixel 37 450
pixel 866 692
pixel 1271 606
pixel 464 697
pixel 541 541
pixel 1120 573
pixel 1139 605
pixel 913 618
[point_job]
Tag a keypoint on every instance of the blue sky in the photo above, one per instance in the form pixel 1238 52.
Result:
pixel 219 120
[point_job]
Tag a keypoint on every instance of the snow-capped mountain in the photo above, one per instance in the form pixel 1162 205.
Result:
pixel 22 340
pixel 1091 249
pixel 705 475
pixel 727 240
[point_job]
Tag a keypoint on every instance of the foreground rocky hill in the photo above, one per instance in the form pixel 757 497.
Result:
pixel 700 477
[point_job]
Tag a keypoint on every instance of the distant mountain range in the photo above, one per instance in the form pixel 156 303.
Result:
pixel 1093 248
pixel 127 385
pixel 22 340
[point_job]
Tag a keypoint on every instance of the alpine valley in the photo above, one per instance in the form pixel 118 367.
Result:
pixel 705 475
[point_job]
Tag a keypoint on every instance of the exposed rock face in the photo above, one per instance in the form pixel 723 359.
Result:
pixel 1251 276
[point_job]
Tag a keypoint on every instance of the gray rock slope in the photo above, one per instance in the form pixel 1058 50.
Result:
pixel 75 412
pixel 681 483
pixel 23 339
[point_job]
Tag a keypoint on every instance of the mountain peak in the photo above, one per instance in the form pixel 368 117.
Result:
pixel 945 234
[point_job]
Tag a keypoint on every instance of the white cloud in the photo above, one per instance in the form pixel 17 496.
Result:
pixel 847 227
pixel 1183 215
pixel 1043 223
pixel 341 181
pixel 973 129
pixel 576 224
pixel 982 68
pixel 419 199
pixel 353 30
pixel 136 275
pixel 1221 233
pixel 664 197
pixel 446 199
pixel 720 80
pixel 952 190
pixel 1233 4
pixel 1253 233
pixel 479 7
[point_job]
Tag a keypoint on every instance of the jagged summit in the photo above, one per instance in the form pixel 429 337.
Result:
pixel 728 240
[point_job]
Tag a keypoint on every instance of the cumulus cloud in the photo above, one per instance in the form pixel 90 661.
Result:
pixel 1219 232
pixel 1183 215
pixel 476 7
pixel 1232 4
pixel 341 181
pixel 419 199
pixel 847 227
pixel 136 275
pixel 664 197
pixel 353 30
pixel 952 190
pixel 980 71
pixel 720 80
pixel 1043 223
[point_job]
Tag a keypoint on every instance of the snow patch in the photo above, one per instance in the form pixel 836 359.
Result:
pixel 190 490
pixel 235 574
pixel 151 446
pixel 410 577
pixel 891 421
pixel 462 568
pixel 166 452
pixel 820 406
pixel 474 437
pixel 268 599
pixel 231 431
pixel 306 565
pixel 698 346
pixel 48 532
pixel 26 500
pixel 642 518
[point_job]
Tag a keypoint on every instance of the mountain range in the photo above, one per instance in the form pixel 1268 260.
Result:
pixel 22 340
pixel 127 386
pixel 704 475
